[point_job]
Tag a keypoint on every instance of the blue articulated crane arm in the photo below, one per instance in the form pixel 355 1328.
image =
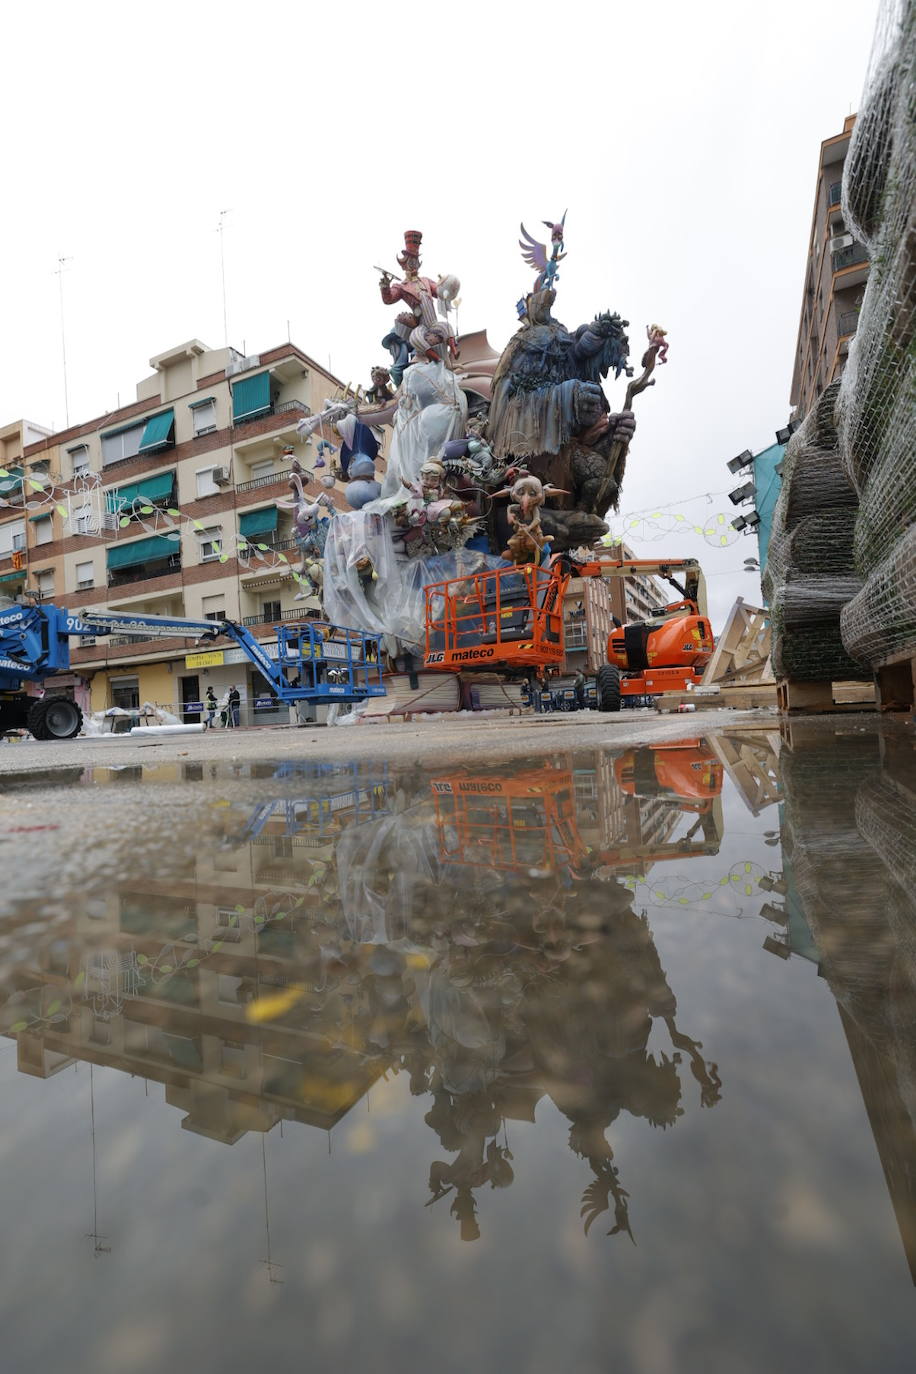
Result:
pixel 315 661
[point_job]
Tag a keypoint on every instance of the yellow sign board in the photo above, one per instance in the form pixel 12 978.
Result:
pixel 214 659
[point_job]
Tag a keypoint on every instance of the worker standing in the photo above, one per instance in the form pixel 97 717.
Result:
pixel 211 708
pixel 579 688
pixel 235 702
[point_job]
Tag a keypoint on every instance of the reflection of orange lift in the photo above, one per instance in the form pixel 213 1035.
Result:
pixel 528 820
pixel 687 769
pixel 511 620
pixel 524 820
pixel 686 774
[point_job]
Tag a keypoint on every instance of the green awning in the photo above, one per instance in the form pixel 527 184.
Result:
pixel 251 396
pixel 152 489
pixel 150 550
pixel 11 577
pixel 11 483
pixel 196 405
pixel 42 515
pixel 158 432
pixel 258 521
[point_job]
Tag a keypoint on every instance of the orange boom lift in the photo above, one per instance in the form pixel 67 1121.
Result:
pixel 510 620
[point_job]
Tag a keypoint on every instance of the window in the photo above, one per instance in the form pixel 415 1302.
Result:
pixel 12 536
pixel 44 530
pixel 210 543
pixel 214 607
pixel 263 469
pixel 122 443
pixel 227 922
pixel 82 520
pixel 79 460
pixel 125 692
pixel 205 483
pixel 40 469
pixel 204 416
pixel 271 610
pixel 227 988
pixel 44 581
pixel 85 576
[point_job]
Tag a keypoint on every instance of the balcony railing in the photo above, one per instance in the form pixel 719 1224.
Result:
pixel 278 408
pixel 143 573
pixel 269 480
pixel 849 257
pixel 834 193
pixel 847 323
pixel 263 619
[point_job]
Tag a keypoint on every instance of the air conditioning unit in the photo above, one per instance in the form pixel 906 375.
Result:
pixel 221 477
pixel 839 242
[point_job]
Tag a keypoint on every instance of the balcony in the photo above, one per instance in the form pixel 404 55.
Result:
pixel 144 572
pixel 269 480
pixel 852 262
pixel 847 323
pixel 291 408
pixel 262 618
pixel 849 257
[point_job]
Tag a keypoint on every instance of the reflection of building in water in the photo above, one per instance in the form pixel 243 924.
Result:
pixel 264 985
pixel 849 874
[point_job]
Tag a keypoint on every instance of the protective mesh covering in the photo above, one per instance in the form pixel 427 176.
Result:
pixel 877 403
pixel 809 575
pixel 880 621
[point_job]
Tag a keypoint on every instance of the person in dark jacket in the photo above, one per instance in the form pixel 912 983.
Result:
pixel 211 707
pixel 235 702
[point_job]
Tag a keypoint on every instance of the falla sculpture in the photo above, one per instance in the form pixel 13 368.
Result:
pixel 532 421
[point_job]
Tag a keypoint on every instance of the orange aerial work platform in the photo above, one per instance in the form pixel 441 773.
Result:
pixel 520 821
pixel 509 617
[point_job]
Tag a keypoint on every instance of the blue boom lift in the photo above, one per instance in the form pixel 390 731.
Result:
pixel 315 661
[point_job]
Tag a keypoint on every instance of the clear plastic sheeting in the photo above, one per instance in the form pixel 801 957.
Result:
pixel 366 585
pixel 810 562
pixel 877 402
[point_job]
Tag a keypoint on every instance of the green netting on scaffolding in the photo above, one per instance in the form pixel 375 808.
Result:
pixel 810 573
pixel 877 403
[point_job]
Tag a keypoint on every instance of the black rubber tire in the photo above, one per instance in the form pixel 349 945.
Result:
pixel 55 718
pixel 607 684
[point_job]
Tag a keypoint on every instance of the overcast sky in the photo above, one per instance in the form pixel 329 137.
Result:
pixel 682 138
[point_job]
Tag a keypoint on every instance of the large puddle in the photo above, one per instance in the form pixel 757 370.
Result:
pixel 601 1062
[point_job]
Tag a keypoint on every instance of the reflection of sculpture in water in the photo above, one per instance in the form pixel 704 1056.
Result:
pixel 560 1004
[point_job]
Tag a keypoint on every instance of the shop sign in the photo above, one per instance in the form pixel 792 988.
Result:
pixel 191 708
pixel 265 703
pixel 214 659
pixel 239 656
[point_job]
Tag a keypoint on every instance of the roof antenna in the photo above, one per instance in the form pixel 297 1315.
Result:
pixel 59 274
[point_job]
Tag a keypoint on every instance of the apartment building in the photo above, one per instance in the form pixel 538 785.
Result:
pixel 835 277
pixel 172 505
pixel 14 439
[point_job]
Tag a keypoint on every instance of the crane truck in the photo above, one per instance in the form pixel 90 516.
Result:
pixel 315 661
pixel 510 620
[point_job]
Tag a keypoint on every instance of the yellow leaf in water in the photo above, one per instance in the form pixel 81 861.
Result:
pixel 277 1004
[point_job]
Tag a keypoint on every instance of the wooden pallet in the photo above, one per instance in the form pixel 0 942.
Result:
pixel 741 697
pixel 824 698
pixel 742 652
pixel 895 684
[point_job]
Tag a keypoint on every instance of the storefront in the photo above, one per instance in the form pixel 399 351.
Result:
pixel 225 668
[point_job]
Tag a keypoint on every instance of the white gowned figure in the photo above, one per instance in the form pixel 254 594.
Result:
pixel 432 409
